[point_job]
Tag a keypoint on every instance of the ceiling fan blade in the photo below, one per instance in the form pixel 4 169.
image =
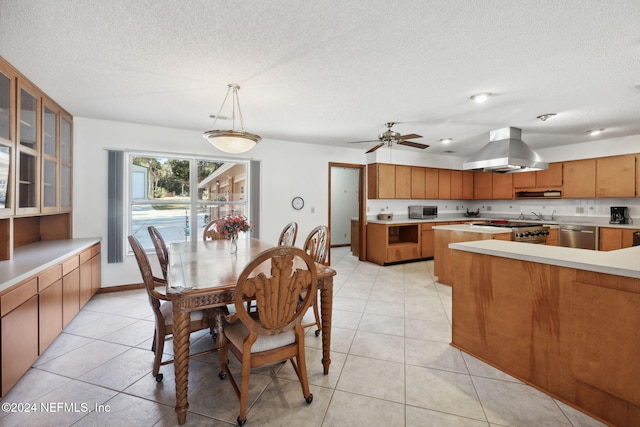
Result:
pixel 375 148
pixel 410 136
pixel 358 142
pixel 412 144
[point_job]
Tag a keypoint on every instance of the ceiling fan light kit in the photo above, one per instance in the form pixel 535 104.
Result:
pixel 231 140
pixel 390 137
pixel 545 117
pixel 479 98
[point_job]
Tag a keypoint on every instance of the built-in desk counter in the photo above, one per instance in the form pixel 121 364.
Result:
pixel 564 320
pixel 41 289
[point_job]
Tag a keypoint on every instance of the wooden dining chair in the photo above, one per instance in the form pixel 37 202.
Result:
pixel 288 235
pixel 317 246
pixel 162 310
pixel 283 281
pixel 211 232
pixel 161 249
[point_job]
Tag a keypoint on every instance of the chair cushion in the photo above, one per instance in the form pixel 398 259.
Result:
pixel 166 308
pixel 237 332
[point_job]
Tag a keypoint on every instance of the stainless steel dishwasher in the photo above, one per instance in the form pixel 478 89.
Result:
pixel 578 236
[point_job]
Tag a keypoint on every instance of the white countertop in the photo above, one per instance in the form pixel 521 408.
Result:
pixel 621 262
pixel 31 259
pixel 598 222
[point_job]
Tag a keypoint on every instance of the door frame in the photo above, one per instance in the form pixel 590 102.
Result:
pixel 362 203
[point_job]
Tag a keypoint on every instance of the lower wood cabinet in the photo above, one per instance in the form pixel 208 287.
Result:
pixel 19 342
pixel 50 314
pixel 615 238
pixel 552 238
pixel 393 243
pixel 34 312
pixel 427 245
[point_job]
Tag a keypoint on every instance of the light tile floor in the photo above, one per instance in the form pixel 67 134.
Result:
pixel 392 365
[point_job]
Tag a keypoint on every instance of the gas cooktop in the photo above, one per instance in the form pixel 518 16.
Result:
pixel 510 224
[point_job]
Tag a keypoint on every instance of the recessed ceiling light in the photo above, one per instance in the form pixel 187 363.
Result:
pixel 545 117
pixel 480 97
pixel 595 132
pixel 446 140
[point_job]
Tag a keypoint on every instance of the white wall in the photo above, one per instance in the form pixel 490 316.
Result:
pixel 287 170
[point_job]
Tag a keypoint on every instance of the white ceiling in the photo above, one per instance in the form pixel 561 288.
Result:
pixel 329 72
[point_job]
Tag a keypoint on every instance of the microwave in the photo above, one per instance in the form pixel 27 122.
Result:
pixel 423 212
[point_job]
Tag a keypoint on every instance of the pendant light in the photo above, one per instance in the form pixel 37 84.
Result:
pixel 232 141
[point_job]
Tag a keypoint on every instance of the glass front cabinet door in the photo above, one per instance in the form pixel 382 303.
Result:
pixel 7 139
pixel 28 149
pixel 50 137
pixel 66 158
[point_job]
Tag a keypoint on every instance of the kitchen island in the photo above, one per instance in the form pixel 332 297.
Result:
pixel 446 234
pixel 564 320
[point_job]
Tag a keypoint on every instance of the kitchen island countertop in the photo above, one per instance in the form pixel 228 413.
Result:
pixel 621 262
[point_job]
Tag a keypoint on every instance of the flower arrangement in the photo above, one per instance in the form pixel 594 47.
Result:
pixel 230 225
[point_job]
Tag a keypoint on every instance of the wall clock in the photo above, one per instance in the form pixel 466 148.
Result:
pixel 297 203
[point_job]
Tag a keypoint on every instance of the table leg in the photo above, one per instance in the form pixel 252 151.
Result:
pixel 181 322
pixel 326 308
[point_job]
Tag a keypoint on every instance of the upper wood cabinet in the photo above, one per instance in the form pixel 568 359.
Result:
pixel 417 182
pixel 482 185
pixel 547 179
pixel 467 185
pixel 551 177
pixel 381 181
pixel 637 175
pixel 579 179
pixel 456 185
pixel 28 149
pixel 616 176
pixel 524 179
pixel 502 186
pixel 431 183
pixel 35 164
pixel 7 138
pixel 444 184
pixel 403 182
pixel 66 161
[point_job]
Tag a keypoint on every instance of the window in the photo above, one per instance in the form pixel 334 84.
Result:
pixel 179 196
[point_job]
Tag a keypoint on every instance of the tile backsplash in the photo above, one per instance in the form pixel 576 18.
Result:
pixel 591 208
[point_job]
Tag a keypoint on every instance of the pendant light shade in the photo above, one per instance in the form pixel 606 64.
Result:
pixel 231 140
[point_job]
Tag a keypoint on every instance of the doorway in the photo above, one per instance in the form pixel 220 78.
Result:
pixel 347 217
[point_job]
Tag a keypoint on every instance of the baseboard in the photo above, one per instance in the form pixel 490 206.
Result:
pixel 120 288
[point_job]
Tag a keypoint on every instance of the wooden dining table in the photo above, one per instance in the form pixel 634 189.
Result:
pixel 203 275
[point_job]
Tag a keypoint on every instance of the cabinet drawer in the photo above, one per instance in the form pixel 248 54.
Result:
pixel 85 255
pixel 71 264
pixel 22 293
pixel 49 277
pixel 95 250
pixel 403 252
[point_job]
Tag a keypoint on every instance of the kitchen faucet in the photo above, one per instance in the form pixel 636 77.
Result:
pixel 552 214
pixel 539 216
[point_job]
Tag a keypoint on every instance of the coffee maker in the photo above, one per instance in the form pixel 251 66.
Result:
pixel 619 215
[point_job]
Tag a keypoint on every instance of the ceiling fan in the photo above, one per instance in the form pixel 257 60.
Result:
pixel 390 137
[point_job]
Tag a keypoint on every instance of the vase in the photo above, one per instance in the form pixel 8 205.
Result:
pixel 234 244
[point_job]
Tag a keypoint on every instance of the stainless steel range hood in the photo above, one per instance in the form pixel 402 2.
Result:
pixel 505 153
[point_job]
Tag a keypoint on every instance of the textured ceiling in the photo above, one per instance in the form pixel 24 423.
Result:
pixel 329 72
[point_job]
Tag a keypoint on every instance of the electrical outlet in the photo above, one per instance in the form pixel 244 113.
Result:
pixel 488 208
pixel 579 209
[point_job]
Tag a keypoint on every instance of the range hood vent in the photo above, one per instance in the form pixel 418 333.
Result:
pixel 505 153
